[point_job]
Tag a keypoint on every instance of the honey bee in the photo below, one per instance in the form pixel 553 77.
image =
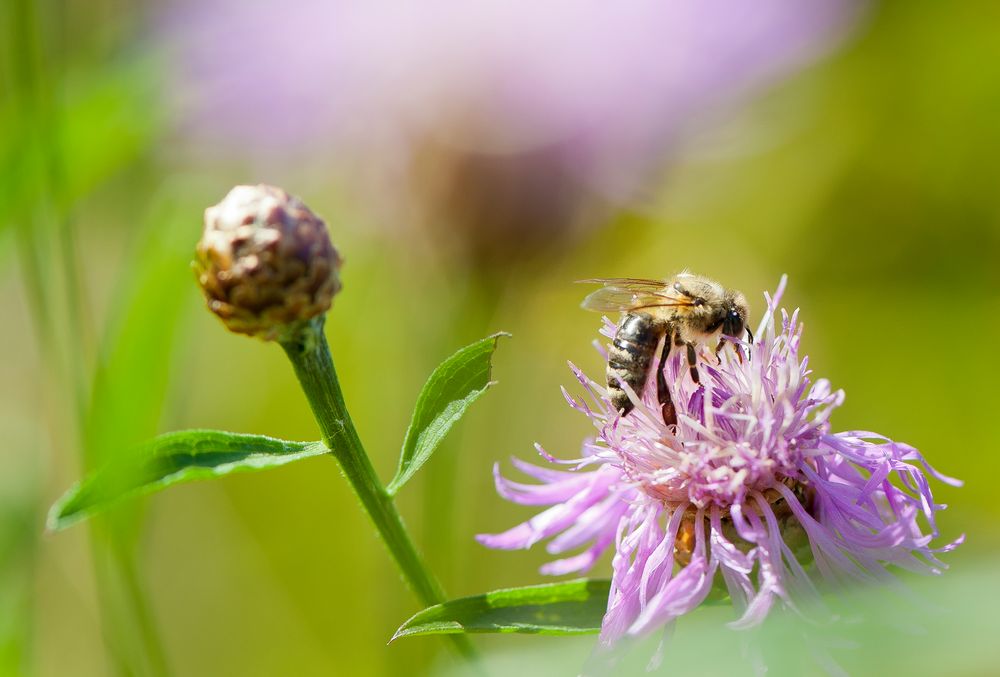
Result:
pixel 686 311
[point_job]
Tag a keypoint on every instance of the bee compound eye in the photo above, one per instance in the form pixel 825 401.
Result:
pixel 733 325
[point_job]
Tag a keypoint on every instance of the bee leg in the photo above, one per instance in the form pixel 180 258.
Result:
pixel 718 349
pixel 739 350
pixel 662 392
pixel 736 349
pixel 692 356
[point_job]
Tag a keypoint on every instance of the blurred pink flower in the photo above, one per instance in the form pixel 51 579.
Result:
pixel 496 76
pixel 517 117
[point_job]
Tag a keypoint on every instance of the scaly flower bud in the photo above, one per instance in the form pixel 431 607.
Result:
pixel 265 262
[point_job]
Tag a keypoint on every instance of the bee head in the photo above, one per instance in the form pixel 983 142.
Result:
pixel 712 307
pixel 735 312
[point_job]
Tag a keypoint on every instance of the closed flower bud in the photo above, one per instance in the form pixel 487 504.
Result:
pixel 265 262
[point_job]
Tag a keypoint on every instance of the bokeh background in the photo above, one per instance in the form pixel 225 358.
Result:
pixel 471 163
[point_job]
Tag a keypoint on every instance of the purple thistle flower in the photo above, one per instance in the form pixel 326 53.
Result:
pixel 749 480
pixel 598 92
pixel 505 130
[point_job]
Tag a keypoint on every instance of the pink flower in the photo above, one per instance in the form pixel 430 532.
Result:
pixel 598 90
pixel 506 130
pixel 749 480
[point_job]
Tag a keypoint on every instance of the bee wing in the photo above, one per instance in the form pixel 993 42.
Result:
pixel 628 283
pixel 624 293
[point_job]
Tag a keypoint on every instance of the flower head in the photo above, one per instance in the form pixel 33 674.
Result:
pixel 506 130
pixel 747 483
pixel 492 76
pixel 265 262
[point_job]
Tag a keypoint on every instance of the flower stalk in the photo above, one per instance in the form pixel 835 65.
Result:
pixel 310 356
pixel 267 269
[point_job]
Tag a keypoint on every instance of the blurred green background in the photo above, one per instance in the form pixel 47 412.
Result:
pixel 870 177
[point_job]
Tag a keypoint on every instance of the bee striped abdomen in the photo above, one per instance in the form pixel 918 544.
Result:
pixel 630 355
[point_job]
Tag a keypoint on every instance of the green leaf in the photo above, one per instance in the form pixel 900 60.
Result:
pixel 153 295
pixel 451 389
pixel 171 459
pixel 110 117
pixel 131 398
pixel 567 608
pixel 91 122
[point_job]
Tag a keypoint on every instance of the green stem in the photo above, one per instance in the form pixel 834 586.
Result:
pixel 35 81
pixel 134 645
pixel 310 356
pixel 141 613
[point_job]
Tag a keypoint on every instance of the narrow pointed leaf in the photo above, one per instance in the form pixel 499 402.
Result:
pixel 448 393
pixel 171 459
pixel 566 608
